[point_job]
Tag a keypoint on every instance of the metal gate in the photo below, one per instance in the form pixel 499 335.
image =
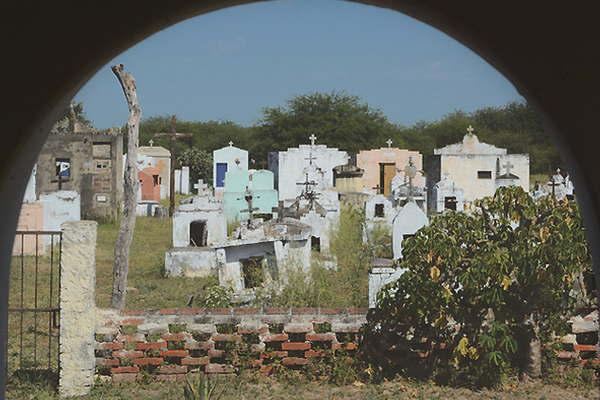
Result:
pixel 34 306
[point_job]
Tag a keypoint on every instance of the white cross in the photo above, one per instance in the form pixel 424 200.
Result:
pixel 312 138
pixel 230 143
pixel 151 142
pixel 389 142
pixel 508 167
pixel 470 130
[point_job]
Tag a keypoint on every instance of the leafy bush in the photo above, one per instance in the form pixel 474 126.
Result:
pixel 216 297
pixel 481 291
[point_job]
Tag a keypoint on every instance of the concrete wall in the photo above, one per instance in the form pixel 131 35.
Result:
pixel 58 208
pixel 230 267
pixel 191 262
pixel 77 304
pixel 293 162
pixel 31 218
pixel 408 221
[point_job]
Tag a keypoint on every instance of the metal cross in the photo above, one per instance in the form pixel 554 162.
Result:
pixel 553 184
pixel 389 142
pixel 312 138
pixel 470 130
pixel 248 197
pixel 508 167
pixel 151 142
pixel 173 135
pixel 230 143
pixel 60 180
pixel 310 158
pixel 308 193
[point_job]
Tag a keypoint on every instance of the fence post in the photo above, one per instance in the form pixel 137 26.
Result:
pixel 77 308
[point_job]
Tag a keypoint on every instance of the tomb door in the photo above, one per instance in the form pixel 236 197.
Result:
pixel 198 233
pixel 221 170
pixel 387 171
pixel 450 203
pixel 315 243
pixel 252 271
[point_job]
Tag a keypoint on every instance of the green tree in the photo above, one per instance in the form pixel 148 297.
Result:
pixel 200 163
pixel 481 291
pixel 337 119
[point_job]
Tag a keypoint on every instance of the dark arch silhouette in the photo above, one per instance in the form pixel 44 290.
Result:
pixel 548 50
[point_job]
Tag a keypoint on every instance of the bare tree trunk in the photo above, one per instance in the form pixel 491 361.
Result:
pixel 130 188
pixel 533 367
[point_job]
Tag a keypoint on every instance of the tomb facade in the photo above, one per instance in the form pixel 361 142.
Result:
pixel 247 193
pixel 446 195
pixel 227 159
pixel 159 159
pixel 407 221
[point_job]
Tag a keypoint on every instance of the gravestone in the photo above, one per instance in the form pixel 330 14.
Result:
pixel 406 223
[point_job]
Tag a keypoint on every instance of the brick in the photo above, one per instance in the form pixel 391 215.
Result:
pixel 566 354
pixel 128 354
pixel 277 337
pixel 151 346
pixel 585 347
pixel 195 361
pixel 292 346
pixel 170 377
pixel 199 346
pixel 218 369
pixel 277 310
pixel 274 354
pixel 175 337
pixel 320 337
pixel 222 337
pixel 133 312
pixel 148 361
pixel 202 328
pixel 245 311
pixel 172 369
pixel 294 361
pixel 153 329
pixel 119 378
pixel 219 311
pixel 215 353
pixel 304 310
pixel 314 353
pixel 174 353
pixel 256 363
pixel 257 347
pixel 180 311
pixel 125 370
pixel 357 310
pixel 267 369
pixel 107 362
pixel 298 328
pixel 344 346
pixel 111 346
pixel 135 337
pixel 132 322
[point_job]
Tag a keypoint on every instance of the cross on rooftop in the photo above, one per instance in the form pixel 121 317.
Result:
pixel 508 166
pixel 470 130
pixel 389 142
pixel 151 142
pixel 230 143
pixel 312 138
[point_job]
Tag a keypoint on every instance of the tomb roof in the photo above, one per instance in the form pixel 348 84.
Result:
pixel 154 151
pixel 470 145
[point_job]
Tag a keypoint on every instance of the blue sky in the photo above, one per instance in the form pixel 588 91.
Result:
pixel 229 64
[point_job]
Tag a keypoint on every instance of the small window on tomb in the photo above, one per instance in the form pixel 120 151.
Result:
pixel 450 203
pixel 155 180
pixel 484 174
pixel 315 243
pixel 407 236
pixel 63 167
pixel 379 210
pixel 198 233
pixel 252 270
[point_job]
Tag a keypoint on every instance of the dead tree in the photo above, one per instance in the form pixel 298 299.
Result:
pixel 130 188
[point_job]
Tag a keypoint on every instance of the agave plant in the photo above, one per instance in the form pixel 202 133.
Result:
pixel 201 387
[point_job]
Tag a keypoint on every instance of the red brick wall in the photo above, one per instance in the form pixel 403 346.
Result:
pixel 169 343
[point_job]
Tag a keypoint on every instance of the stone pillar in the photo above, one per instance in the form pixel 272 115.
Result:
pixel 377 278
pixel 77 308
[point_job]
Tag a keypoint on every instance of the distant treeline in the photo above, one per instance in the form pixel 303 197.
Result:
pixel 344 121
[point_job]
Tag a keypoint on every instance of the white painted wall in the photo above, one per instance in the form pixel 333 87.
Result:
pixel 191 262
pixel 215 224
pixel 377 277
pixel 30 196
pixel 408 221
pixel 59 207
pixel 294 163
pixel 182 180
pixel 388 212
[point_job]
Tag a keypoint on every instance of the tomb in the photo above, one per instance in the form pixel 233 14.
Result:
pixel 313 162
pixel 407 221
pixel 475 167
pixel 182 180
pixel 348 179
pixel 159 160
pixel 409 185
pixel 227 159
pixel 507 178
pixel 199 213
pixel 382 165
pixel 379 273
pixel 445 195
pixel 379 211
pixel 247 193
pixel 77 158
